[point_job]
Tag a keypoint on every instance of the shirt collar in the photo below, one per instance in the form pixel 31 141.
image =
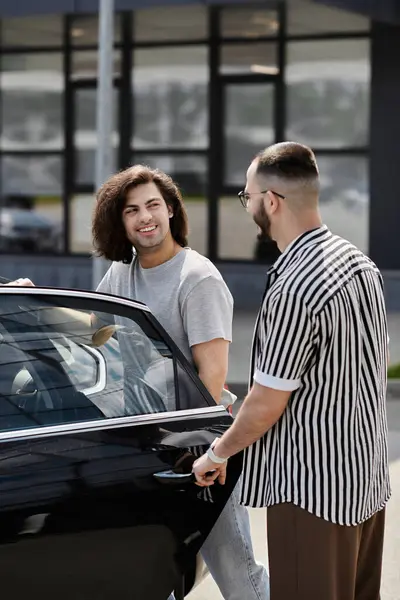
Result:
pixel 303 241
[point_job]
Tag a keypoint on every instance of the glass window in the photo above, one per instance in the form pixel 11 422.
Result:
pixel 164 24
pixel 244 59
pixel 170 104
pixel 32 87
pixel 35 174
pixel 345 197
pixel 189 170
pixel 307 18
pixel 328 91
pixel 248 127
pixel 82 364
pixel 85 64
pixel 190 173
pixel 85 135
pixel 80 232
pixel 32 31
pixel 65 360
pixel 233 218
pixel 248 22
pixel 31 204
pixel 85 30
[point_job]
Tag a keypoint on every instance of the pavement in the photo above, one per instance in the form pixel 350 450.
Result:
pixel 238 372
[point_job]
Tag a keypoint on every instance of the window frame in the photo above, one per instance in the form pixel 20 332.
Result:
pixel 126 44
pixel 115 422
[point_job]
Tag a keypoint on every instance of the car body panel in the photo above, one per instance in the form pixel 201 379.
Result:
pixel 86 510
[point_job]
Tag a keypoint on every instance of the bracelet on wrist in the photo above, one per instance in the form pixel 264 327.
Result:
pixel 212 456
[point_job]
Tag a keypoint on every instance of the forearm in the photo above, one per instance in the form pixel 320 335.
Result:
pixel 214 380
pixel 211 361
pixel 254 419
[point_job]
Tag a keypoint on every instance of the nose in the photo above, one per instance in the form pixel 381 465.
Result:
pixel 145 215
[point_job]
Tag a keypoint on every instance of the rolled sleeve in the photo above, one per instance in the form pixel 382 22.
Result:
pixel 288 346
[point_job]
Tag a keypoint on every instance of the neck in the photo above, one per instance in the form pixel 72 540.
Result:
pixel 296 228
pixel 153 257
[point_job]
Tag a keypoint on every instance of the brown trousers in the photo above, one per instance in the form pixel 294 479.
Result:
pixel 313 559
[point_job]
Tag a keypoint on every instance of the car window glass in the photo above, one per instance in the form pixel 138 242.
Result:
pixel 70 359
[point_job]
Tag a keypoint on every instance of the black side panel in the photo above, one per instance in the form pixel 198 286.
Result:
pixel 82 515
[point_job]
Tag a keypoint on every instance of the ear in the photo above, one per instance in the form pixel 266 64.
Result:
pixel 272 202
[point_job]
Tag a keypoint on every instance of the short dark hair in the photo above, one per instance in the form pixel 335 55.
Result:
pixel 289 161
pixel 108 232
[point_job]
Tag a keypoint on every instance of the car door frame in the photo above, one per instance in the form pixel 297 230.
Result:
pixel 211 412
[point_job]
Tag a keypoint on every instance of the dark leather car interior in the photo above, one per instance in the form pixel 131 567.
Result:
pixel 35 391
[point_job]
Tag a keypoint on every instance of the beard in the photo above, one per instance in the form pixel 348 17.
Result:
pixel 261 219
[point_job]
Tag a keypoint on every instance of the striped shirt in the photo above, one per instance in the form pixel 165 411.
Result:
pixel 321 334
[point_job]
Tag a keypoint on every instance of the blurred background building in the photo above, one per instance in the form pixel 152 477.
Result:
pixel 200 87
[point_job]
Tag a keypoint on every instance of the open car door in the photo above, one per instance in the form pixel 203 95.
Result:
pixel 101 418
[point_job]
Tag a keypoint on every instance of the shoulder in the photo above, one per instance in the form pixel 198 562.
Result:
pixel 119 270
pixel 197 268
pixel 318 273
pixel 115 278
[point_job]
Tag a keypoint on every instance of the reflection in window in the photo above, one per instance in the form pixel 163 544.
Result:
pixel 188 171
pixel 244 59
pixel 85 30
pixel 345 197
pixel 33 175
pixel 127 369
pixel 249 127
pixel 243 22
pixel 80 363
pixel 233 218
pixel 328 89
pixel 170 87
pixel 32 87
pixel 85 64
pixel 163 24
pixel 81 210
pixel 305 18
pixel 31 204
pixel 32 31
pixel 85 135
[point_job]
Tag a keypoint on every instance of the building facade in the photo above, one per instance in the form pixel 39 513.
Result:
pixel 198 90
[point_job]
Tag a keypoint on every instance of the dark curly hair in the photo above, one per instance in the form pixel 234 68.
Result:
pixel 108 232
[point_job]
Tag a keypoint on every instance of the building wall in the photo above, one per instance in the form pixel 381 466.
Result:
pixel 198 91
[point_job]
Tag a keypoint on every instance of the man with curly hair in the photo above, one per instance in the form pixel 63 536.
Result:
pixel 140 224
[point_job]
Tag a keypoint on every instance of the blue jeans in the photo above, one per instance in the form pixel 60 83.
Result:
pixel 228 554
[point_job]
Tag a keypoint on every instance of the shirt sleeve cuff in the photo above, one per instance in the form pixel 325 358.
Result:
pixel 276 383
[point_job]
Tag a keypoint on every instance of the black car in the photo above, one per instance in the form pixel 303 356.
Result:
pixel 101 418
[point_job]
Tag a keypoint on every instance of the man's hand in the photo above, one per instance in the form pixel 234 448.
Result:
pixel 203 466
pixel 22 282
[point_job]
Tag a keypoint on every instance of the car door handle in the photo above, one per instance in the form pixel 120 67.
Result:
pixel 169 477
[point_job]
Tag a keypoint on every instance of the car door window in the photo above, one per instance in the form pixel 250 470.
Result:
pixel 67 359
pixel 81 364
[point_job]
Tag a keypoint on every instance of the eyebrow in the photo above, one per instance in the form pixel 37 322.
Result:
pixel 132 205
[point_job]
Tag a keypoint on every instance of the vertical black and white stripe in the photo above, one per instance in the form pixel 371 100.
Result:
pixel 322 334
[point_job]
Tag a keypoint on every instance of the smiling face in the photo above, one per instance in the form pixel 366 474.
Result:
pixel 146 218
